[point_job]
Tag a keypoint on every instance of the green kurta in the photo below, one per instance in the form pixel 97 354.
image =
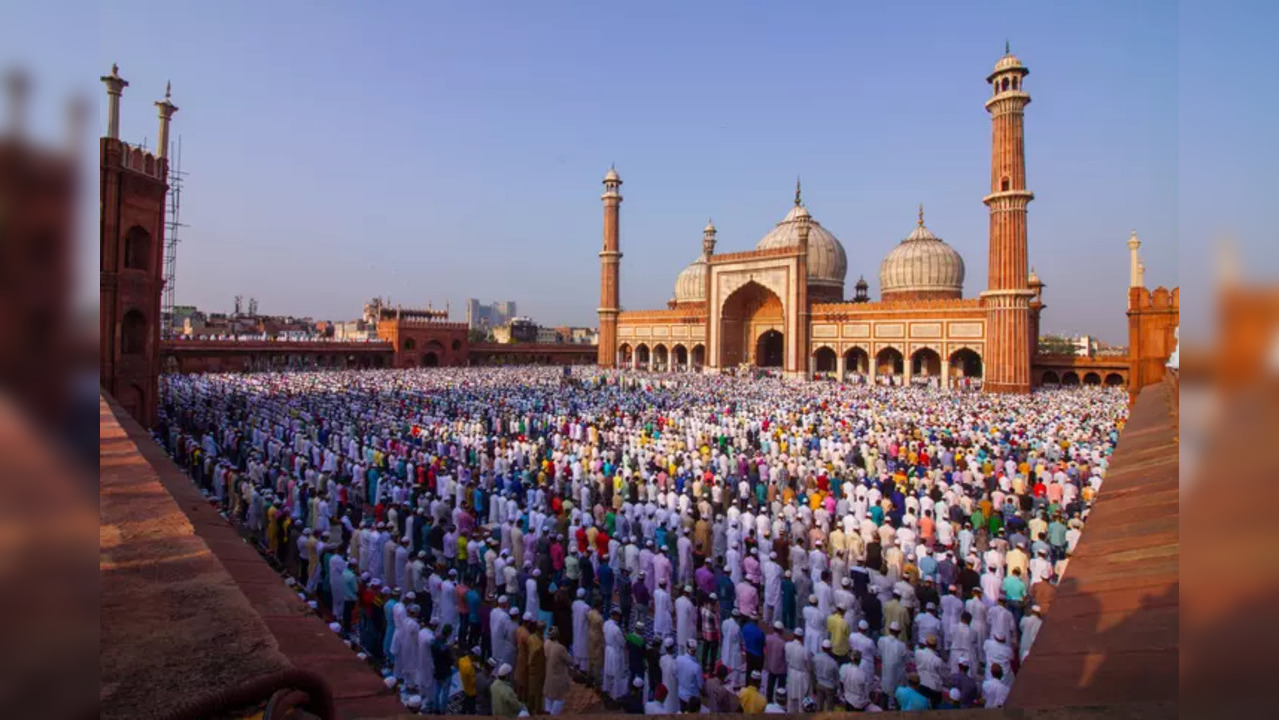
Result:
pixel 505 703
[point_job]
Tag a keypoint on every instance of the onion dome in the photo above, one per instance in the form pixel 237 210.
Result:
pixel 922 266
pixel 690 284
pixel 827 262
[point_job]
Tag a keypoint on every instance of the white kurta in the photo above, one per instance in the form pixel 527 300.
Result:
pixel 425 663
pixel 661 613
pixel 685 622
pixel 814 629
pixel 669 679
pixel 615 680
pixel 799 674
pixel 581 634
pixel 893 654
pixel 731 654
pixel 498 634
pixel 1030 625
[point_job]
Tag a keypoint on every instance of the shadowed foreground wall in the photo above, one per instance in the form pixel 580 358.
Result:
pixel 188 607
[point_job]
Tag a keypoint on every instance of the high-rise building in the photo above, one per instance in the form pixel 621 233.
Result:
pixel 487 317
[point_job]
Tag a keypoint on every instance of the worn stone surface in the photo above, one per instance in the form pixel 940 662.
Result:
pixel 173 623
pixel 1111 634
pixel 187 606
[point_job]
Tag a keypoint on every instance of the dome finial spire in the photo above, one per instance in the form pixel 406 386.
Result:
pixel 921 214
pixel 798 200
pixel 1007 48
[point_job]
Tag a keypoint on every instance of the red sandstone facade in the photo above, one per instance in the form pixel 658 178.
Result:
pixel 134 184
pixel 1153 318
pixel 423 338
pixel 610 276
pixel 781 305
pixel 37 190
pixel 1008 322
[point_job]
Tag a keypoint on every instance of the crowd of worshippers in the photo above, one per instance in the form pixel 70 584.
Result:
pixel 488 538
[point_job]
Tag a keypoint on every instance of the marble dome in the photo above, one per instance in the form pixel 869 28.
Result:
pixel 922 266
pixel 827 262
pixel 690 284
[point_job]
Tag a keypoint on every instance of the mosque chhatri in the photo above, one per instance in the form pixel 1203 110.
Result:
pixel 783 304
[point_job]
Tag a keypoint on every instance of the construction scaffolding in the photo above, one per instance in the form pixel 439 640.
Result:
pixel 172 221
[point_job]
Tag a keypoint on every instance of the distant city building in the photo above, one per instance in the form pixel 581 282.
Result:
pixel 354 330
pixel 519 330
pixel 487 317
pixel 548 335
pixel 576 335
pixel 198 324
pixel 1076 345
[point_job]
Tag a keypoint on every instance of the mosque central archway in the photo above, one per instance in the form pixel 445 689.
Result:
pixel 752 328
pixel 770 349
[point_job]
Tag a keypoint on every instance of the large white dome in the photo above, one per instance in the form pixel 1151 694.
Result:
pixel 827 262
pixel 922 266
pixel 690 286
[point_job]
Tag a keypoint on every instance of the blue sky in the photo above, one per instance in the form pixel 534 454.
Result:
pixel 433 151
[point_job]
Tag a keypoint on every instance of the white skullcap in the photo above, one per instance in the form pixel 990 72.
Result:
pixel 504 670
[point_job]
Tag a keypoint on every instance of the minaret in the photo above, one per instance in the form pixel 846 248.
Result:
pixel 799 349
pixel 166 108
pixel 708 240
pixel 115 86
pixel 1007 299
pixel 1134 278
pixel 1036 310
pixel 610 266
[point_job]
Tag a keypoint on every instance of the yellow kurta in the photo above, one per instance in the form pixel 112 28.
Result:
pixel 536 671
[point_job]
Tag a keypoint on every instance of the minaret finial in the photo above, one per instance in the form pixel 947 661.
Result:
pixel 115 69
pixel 1007 48
pixel 168 89
pixel 921 214
pixel 798 200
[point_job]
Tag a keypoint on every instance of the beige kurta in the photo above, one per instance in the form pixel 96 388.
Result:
pixel 558 662
pixel 595 622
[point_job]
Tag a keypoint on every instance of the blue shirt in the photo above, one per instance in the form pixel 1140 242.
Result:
pixel 688 675
pixel 752 639
pixel 908 698
pixel 1014 588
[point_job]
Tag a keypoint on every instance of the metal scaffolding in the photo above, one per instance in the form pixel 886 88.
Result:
pixel 172 221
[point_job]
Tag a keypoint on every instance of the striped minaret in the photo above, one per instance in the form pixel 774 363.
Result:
pixel 1008 297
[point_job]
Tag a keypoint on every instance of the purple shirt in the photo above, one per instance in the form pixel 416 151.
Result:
pixel 705 579
pixel 747 599
pixel 775 654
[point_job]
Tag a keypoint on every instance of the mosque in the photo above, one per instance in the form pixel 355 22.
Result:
pixel 783 305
